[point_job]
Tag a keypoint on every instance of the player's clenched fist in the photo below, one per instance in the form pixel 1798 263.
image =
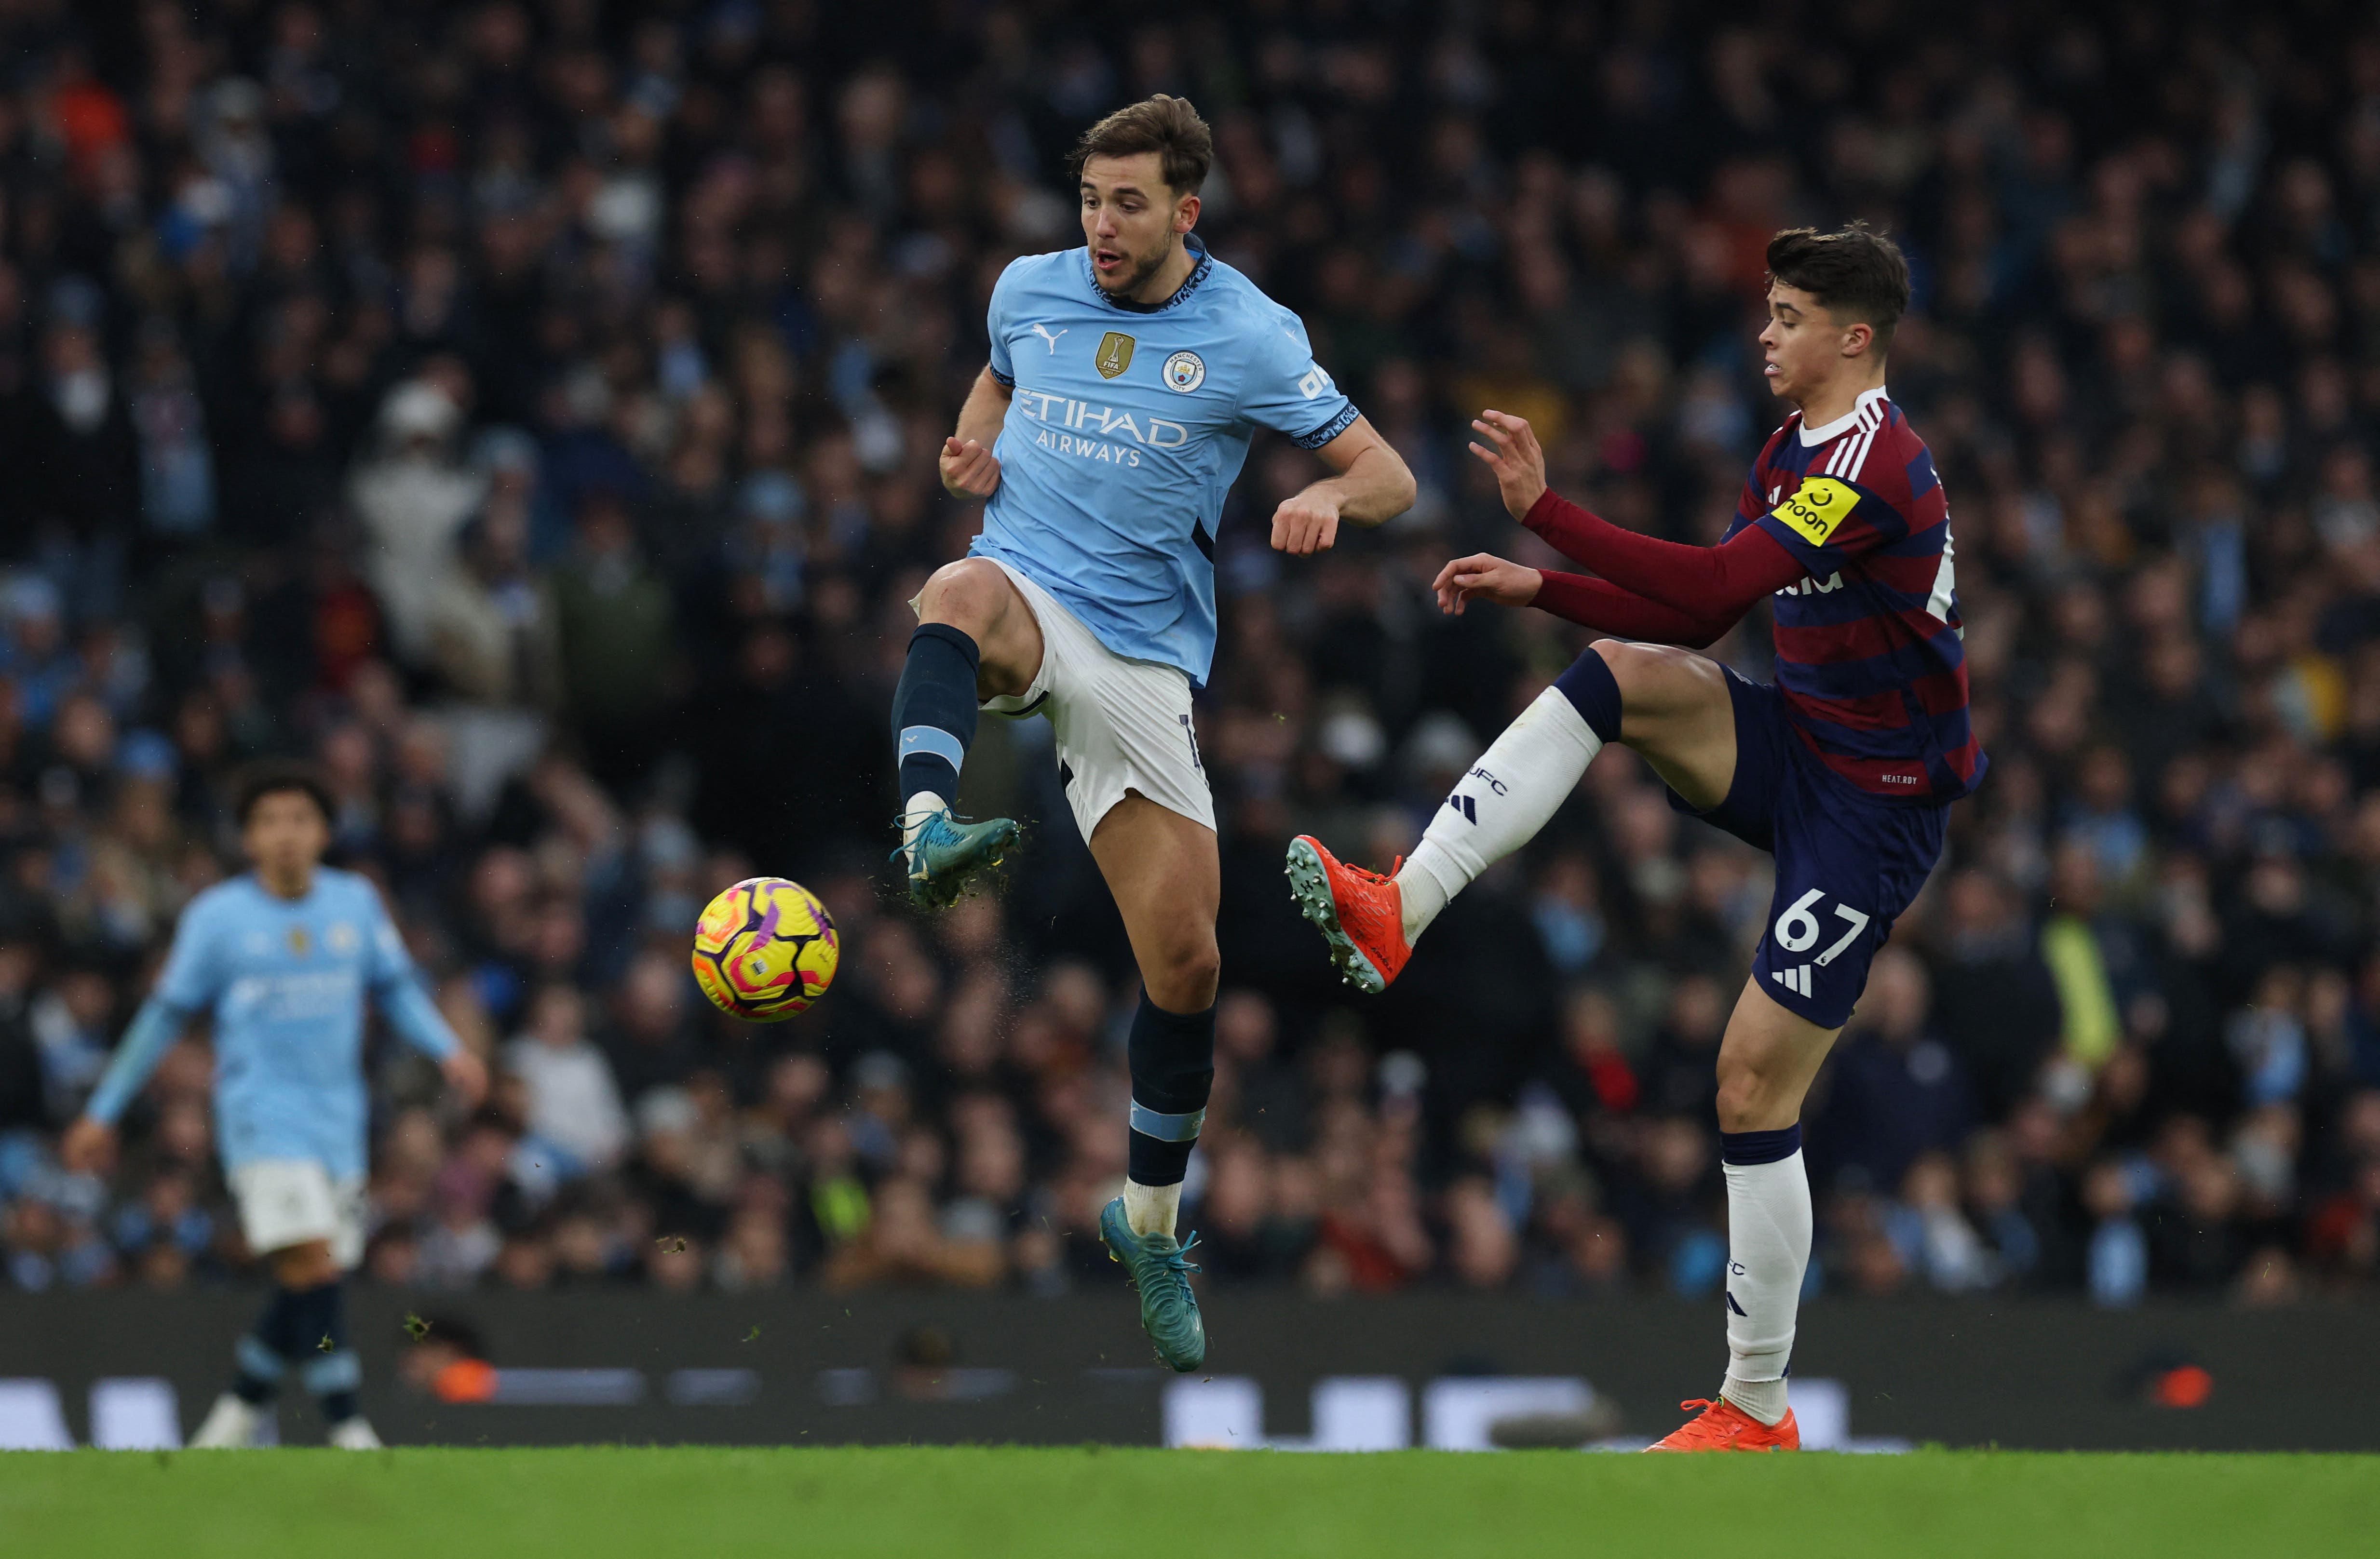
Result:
pixel 1518 464
pixel 1306 525
pixel 969 469
pixel 1487 576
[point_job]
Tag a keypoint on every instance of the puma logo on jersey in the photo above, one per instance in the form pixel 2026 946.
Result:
pixel 1043 331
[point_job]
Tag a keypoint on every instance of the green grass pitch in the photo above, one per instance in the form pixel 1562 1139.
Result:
pixel 617 1503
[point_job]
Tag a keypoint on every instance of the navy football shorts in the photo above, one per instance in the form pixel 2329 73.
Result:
pixel 1846 862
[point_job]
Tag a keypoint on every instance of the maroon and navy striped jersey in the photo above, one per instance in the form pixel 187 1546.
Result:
pixel 1868 651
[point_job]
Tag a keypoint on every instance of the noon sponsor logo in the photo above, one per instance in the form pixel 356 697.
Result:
pixel 1815 509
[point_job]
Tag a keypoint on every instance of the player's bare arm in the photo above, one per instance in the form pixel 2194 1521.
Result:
pixel 1371 484
pixel 969 468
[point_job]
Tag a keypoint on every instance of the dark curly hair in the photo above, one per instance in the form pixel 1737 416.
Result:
pixel 1857 274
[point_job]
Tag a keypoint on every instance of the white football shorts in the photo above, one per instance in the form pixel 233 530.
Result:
pixel 285 1201
pixel 1120 724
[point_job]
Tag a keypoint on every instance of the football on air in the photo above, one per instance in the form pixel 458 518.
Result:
pixel 765 949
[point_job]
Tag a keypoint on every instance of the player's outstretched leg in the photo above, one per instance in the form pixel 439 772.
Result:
pixel 933 722
pixel 1370 921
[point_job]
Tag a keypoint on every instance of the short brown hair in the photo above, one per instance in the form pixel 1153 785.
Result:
pixel 1857 274
pixel 1167 126
pixel 271 776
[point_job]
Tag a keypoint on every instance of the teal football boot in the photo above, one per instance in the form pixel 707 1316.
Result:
pixel 946 853
pixel 1160 1270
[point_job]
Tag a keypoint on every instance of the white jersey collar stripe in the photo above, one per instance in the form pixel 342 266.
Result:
pixel 1813 437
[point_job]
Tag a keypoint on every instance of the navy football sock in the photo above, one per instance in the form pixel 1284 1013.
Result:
pixel 1593 691
pixel 1760 1147
pixel 1172 1056
pixel 934 710
pixel 261 1355
pixel 324 1362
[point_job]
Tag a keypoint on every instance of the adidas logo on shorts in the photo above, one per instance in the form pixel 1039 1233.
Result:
pixel 1796 979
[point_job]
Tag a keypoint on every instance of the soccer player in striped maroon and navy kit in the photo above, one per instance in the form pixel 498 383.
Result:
pixel 1844 768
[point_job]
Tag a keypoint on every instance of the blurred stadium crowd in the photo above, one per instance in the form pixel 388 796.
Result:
pixel 528 410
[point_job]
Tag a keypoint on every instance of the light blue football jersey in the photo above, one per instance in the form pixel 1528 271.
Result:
pixel 284 981
pixel 1126 426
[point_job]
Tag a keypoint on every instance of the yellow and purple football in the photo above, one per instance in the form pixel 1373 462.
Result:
pixel 765 949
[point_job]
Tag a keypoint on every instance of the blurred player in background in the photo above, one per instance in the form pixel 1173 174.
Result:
pixel 281 959
pixel 1126 380
pixel 1844 768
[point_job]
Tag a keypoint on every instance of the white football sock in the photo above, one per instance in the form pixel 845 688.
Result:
pixel 921 806
pixel 1512 791
pixel 1768 1250
pixel 1151 1209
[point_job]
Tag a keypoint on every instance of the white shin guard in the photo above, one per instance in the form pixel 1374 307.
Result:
pixel 1512 791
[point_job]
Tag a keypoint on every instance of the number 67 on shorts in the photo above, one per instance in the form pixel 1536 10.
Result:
pixel 1846 862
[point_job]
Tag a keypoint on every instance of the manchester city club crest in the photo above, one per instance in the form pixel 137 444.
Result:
pixel 1115 353
pixel 1184 373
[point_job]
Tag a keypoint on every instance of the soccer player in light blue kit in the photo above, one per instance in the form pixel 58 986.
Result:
pixel 1126 380
pixel 282 960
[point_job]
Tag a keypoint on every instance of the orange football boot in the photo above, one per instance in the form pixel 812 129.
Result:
pixel 1360 913
pixel 1723 1426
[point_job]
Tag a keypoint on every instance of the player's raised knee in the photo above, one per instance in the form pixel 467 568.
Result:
pixel 1655 671
pixel 969 595
pixel 1184 974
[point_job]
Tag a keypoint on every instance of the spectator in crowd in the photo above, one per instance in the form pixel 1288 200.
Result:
pixel 573 1104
